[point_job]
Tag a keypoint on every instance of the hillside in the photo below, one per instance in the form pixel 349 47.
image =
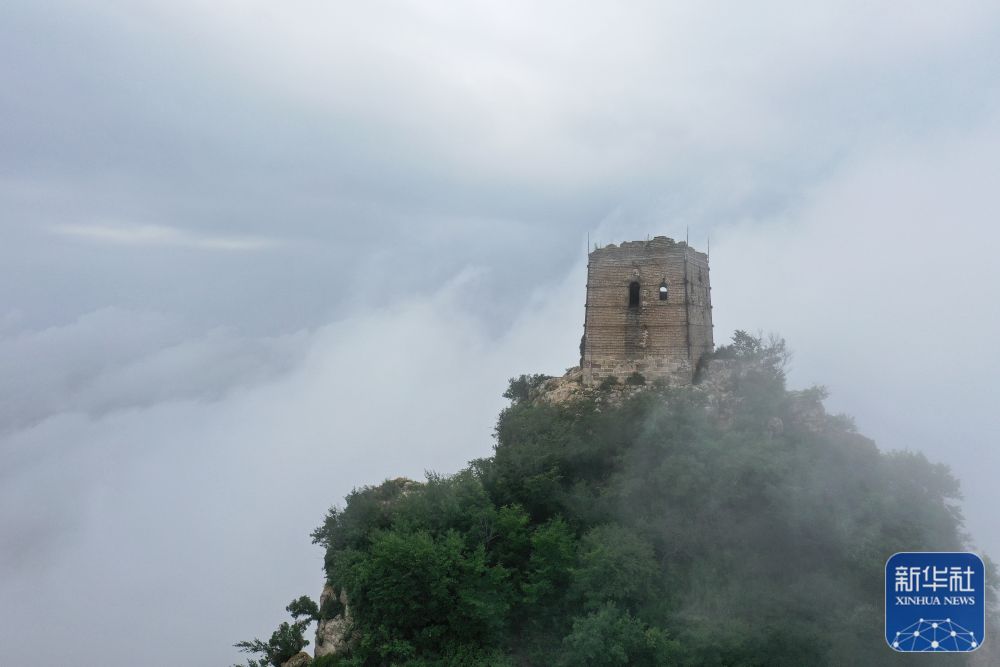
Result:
pixel 732 522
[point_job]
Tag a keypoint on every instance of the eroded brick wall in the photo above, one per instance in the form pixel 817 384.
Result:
pixel 658 338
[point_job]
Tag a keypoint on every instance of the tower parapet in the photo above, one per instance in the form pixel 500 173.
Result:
pixel 648 311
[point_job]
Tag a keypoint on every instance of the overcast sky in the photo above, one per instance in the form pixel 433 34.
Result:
pixel 257 253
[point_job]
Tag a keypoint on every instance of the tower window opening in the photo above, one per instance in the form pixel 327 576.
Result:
pixel 633 294
pixel 663 291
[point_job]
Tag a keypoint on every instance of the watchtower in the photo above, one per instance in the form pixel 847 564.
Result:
pixel 649 311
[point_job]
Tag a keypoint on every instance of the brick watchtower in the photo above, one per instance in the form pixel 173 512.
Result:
pixel 649 310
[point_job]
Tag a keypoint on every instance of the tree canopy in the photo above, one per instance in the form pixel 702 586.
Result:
pixel 643 527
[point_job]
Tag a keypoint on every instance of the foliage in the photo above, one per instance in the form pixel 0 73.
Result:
pixel 616 564
pixel 331 660
pixel 420 593
pixel 772 353
pixel 285 642
pixel 609 637
pixel 644 531
pixel 635 379
pixel 303 607
pixel 521 387
pixel 607 383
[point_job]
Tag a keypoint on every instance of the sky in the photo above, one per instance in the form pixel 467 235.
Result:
pixel 256 254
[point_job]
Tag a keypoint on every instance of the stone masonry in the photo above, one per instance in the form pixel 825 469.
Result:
pixel 649 310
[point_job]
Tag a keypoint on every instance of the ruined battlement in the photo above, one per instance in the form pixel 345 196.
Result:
pixel 648 311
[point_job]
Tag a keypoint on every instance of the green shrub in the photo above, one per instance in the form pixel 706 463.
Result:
pixel 520 388
pixel 635 379
pixel 286 642
pixel 610 637
pixel 608 383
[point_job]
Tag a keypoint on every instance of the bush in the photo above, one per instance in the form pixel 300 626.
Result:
pixel 611 638
pixel 286 642
pixel 607 383
pixel 520 388
pixel 635 379
pixel 421 594
pixel 616 565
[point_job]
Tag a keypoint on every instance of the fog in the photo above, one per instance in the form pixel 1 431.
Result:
pixel 257 254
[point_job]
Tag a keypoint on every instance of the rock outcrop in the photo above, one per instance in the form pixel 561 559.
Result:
pixel 302 659
pixel 332 634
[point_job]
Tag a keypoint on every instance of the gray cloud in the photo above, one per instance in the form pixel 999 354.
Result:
pixel 159 235
pixel 188 506
pixel 113 359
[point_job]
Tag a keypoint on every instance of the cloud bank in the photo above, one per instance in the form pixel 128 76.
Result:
pixel 158 235
pixel 188 504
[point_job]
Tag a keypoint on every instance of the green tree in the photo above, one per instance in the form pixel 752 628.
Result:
pixel 610 637
pixel 416 594
pixel 616 565
pixel 667 526
pixel 285 642
pixel 553 554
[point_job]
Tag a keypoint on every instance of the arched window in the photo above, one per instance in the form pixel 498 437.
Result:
pixel 633 294
pixel 663 290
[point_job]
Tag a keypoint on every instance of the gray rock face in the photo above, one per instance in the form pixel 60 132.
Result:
pixel 300 660
pixel 332 633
